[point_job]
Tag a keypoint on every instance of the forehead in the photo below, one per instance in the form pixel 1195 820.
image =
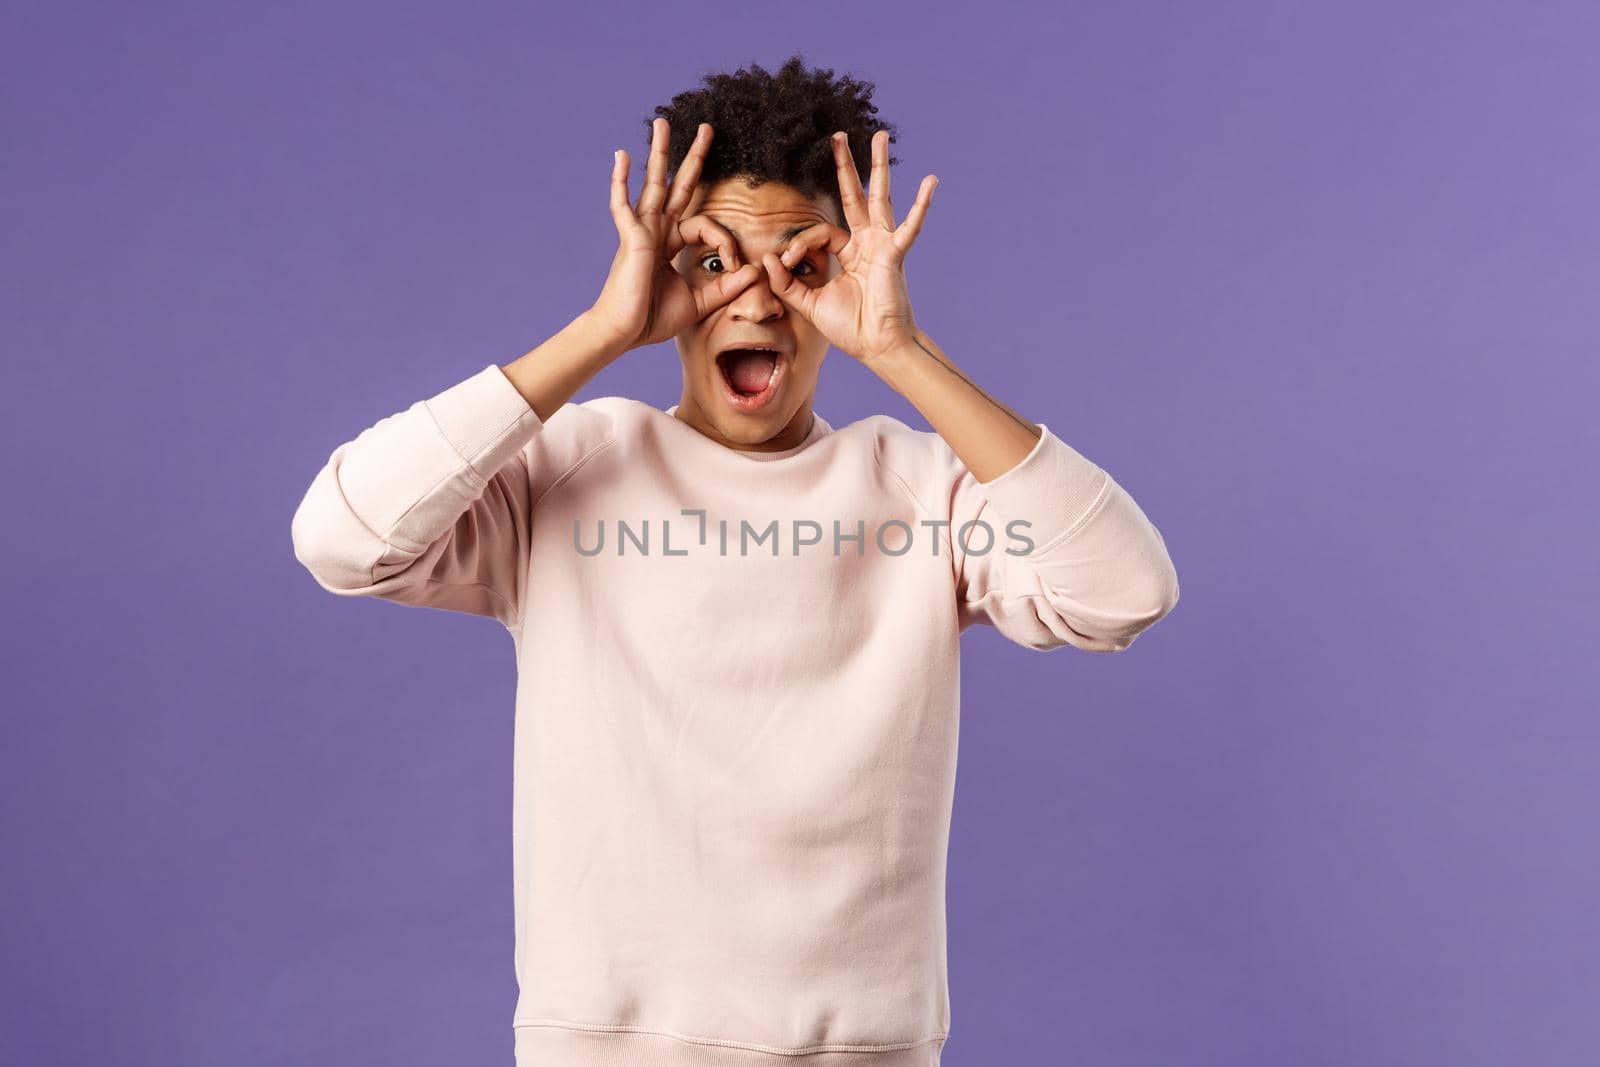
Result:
pixel 762 212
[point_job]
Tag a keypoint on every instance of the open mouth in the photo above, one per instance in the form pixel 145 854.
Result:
pixel 751 376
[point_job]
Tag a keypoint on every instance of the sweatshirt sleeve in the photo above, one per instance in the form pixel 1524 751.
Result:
pixel 1073 561
pixel 428 507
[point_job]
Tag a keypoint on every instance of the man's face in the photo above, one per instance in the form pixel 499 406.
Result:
pixel 726 394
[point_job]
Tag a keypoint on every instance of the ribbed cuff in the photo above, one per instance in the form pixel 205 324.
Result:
pixel 1054 488
pixel 485 419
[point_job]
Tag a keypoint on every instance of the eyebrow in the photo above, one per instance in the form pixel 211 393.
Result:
pixel 782 237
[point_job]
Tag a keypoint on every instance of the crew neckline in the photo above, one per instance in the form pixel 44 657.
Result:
pixel 819 428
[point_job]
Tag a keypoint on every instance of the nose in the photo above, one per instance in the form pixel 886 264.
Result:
pixel 756 302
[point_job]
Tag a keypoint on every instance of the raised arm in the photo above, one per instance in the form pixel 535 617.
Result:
pixel 1048 547
pixel 431 506
pixel 1053 551
pixel 1096 572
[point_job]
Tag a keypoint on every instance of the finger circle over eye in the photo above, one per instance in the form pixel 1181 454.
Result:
pixel 703 229
pixel 824 235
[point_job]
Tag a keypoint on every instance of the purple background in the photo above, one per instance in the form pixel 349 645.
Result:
pixel 1317 283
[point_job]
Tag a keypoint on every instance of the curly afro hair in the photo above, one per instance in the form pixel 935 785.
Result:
pixel 775 127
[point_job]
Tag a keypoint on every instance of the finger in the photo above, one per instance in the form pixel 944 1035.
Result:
pixel 879 209
pixel 688 175
pixel 907 233
pixel 702 230
pixel 822 235
pixel 786 287
pixel 709 298
pixel 621 213
pixel 654 193
pixel 851 198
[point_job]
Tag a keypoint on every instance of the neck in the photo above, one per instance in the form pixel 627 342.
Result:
pixel 796 430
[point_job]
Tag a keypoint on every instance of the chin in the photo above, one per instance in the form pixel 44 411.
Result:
pixel 747 427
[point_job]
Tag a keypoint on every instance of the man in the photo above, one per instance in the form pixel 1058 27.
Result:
pixel 735 740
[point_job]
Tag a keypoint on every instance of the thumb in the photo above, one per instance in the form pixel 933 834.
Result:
pixel 726 288
pixel 786 287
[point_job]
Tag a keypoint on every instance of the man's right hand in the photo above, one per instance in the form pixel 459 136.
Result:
pixel 645 300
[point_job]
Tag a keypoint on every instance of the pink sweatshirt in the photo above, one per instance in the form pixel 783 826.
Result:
pixel 736 720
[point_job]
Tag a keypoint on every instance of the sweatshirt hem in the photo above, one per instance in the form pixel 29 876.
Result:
pixel 573 1044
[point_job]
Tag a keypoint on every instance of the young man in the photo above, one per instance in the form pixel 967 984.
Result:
pixel 737 626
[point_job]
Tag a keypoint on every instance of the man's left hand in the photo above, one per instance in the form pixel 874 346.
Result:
pixel 864 310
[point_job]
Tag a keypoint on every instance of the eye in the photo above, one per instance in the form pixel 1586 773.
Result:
pixel 711 255
pixel 797 272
